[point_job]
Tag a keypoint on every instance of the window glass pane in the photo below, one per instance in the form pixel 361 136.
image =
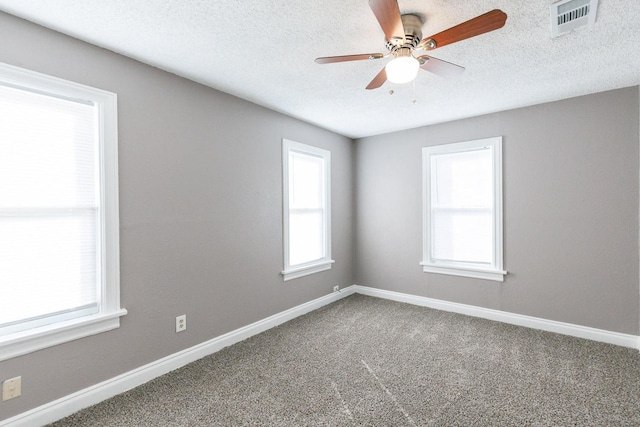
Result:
pixel 306 181
pixel 48 264
pixel 306 241
pixel 462 235
pixel 49 208
pixel 48 150
pixel 462 179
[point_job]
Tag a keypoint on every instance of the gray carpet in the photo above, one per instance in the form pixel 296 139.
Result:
pixel 370 362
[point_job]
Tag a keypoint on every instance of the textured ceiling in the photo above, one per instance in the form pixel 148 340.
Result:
pixel 263 51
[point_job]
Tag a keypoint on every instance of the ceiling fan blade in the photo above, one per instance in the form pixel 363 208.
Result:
pixel 344 58
pixel 438 66
pixel 474 27
pixel 388 14
pixel 378 80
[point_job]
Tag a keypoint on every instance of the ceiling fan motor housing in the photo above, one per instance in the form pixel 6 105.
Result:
pixel 412 33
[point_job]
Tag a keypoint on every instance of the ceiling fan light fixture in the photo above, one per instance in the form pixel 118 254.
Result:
pixel 402 69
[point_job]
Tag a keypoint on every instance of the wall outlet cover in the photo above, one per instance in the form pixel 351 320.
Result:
pixel 181 323
pixel 11 388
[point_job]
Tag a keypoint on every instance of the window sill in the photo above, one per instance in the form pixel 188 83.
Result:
pixel 495 275
pixel 21 343
pixel 294 273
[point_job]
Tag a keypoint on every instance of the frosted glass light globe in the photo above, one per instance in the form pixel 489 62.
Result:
pixel 402 69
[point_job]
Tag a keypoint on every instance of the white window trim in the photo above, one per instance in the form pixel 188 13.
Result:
pixel 325 263
pixel 494 272
pixel 108 317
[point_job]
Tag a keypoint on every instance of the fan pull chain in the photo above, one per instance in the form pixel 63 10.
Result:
pixel 414 101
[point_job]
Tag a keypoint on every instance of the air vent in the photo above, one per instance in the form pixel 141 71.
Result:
pixel 568 15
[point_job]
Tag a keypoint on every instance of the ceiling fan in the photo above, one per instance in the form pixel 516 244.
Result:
pixel 404 37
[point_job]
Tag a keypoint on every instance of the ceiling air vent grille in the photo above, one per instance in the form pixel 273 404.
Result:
pixel 568 15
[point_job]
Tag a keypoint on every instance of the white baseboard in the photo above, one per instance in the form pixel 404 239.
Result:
pixel 74 402
pixel 594 334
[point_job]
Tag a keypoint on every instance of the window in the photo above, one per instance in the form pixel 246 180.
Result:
pixel 59 274
pixel 462 186
pixel 307 209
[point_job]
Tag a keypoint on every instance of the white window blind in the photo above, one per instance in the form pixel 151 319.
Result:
pixel 306 213
pixel 306 208
pixel 461 206
pixel 463 209
pixel 49 209
pixel 59 232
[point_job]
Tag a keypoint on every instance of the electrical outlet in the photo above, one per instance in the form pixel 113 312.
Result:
pixel 181 323
pixel 336 288
pixel 11 388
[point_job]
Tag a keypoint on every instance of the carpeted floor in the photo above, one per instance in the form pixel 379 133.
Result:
pixel 364 361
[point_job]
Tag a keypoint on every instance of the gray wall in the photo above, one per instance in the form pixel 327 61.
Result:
pixel 570 211
pixel 200 214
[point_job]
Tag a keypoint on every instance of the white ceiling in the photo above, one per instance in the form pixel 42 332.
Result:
pixel 263 51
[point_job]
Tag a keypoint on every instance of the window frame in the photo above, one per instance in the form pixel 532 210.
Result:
pixel 494 271
pixel 110 311
pixel 292 272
